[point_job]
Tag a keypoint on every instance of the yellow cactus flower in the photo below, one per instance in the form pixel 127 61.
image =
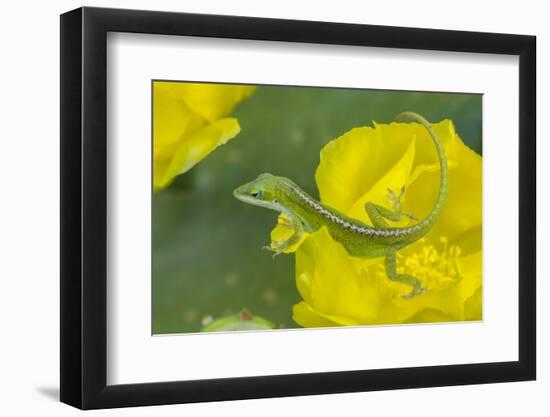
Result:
pixel 341 290
pixel 190 121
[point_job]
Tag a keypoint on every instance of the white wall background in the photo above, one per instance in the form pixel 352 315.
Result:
pixel 29 237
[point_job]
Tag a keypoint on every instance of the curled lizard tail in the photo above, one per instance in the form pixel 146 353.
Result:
pixel 443 175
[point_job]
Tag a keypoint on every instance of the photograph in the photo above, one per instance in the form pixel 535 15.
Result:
pixel 280 207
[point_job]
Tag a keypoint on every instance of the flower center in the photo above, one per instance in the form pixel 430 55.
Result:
pixel 436 267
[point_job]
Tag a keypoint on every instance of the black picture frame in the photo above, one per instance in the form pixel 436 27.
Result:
pixel 84 207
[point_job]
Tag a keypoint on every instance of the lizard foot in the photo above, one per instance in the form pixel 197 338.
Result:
pixel 414 293
pixel 395 199
pixel 277 247
pixel 283 221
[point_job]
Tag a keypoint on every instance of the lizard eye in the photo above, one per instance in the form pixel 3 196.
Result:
pixel 256 194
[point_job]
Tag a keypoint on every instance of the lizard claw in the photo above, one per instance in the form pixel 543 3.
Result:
pixel 277 249
pixel 411 216
pixel 402 191
pixel 394 198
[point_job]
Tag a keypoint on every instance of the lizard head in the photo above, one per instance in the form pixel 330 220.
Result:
pixel 264 191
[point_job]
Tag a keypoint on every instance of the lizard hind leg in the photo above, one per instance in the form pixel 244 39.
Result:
pixel 396 203
pixel 378 214
pixel 391 271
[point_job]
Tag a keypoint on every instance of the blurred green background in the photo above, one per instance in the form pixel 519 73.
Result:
pixel 207 257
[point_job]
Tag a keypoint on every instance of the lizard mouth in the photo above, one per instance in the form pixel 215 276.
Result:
pixel 242 194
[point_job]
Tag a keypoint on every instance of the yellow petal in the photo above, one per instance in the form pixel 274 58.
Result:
pixel 470 241
pixel 210 101
pixel 429 315
pixel 196 147
pixel 473 306
pixel 463 209
pixel 332 284
pixel 172 121
pixel 306 316
pixel 471 270
pixel 425 149
pixel 352 163
pixel 303 284
pixel 394 178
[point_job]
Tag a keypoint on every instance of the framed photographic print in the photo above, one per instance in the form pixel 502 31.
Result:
pixel 258 208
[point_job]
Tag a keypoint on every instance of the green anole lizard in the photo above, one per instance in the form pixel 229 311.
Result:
pixel 305 214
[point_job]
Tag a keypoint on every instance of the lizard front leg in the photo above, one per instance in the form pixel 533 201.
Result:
pixel 391 271
pixel 281 245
